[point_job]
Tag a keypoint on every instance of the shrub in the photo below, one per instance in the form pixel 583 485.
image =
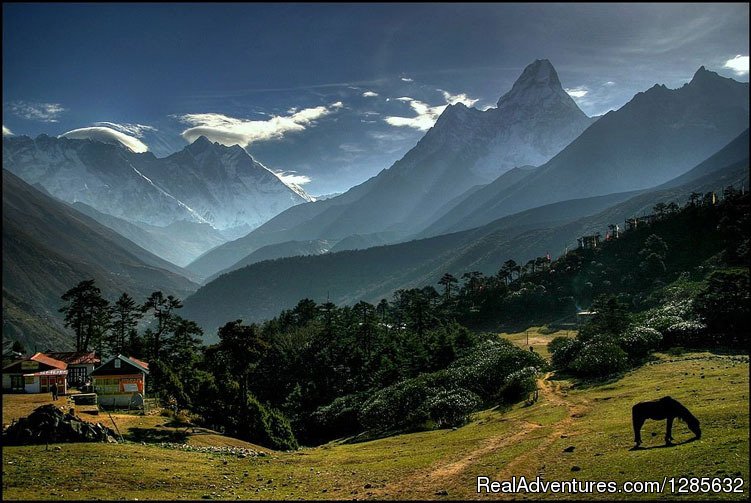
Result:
pixel 263 425
pixel 494 369
pixel 397 406
pixel 166 384
pixel 599 359
pixel 639 341
pixel 662 321
pixel 686 333
pixel 485 369
pixel 519 384
pixel 339 418
pixel 448 408
pixel 563 351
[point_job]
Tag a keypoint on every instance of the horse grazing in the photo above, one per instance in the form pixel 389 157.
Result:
pixel 664 408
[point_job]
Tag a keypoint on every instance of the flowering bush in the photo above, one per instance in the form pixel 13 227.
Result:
pixel 638 341
pixel 452 407
pixel 563 351
pixel 686 333
pixel 519 384
pixel 600 358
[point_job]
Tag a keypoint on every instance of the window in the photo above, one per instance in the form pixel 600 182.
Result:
pixel 117 363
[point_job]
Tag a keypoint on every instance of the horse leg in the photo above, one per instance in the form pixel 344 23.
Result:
pixel 638 422
pixel 669 431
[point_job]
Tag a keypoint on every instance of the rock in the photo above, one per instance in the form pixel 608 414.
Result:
pixel 367 486
pixel 575 468
pixel 442 493
pixel 569 449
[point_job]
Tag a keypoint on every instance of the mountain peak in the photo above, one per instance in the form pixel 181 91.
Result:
pixel 703 75
pixel 202 141
pixel 540 71
pixel 538 87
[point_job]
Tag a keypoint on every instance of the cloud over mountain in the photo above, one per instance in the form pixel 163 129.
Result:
pixel 426 114
pixel 233 131
pixel 738 64
pixel 107 135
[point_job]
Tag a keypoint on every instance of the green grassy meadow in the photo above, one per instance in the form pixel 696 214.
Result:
pixel 525 440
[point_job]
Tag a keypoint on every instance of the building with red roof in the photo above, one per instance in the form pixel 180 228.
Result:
pixel 36 374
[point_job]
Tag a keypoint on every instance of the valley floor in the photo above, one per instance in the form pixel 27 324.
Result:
pixel 592 423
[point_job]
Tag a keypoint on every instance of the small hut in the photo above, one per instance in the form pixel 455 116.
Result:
pixel 119 380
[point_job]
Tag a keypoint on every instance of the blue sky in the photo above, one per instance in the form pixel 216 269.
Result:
pixel 313 90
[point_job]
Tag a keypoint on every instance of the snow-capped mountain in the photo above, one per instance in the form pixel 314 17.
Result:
pixel 466 147
pixel 205 182
pixel 534 121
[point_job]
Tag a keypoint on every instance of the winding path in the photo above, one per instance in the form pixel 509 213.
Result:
pixel 529 463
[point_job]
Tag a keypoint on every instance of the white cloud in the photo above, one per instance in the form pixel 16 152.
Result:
pixel 232 131
pixel 609 83
pixel 424 120
pixel 42 112
pixel 407 79
pixel 369 94
pixel 106 135
pixel 739 65
pixel 453 99
pixel 136 130
pixel 577 92
pixel 426 114
pixel 6 131
pixel 351 148
pixel 292 177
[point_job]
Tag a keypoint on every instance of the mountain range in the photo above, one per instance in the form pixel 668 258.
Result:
pixel 465 148
pixel 655 137
pixel 205 183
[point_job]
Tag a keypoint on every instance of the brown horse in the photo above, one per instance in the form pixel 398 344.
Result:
pixel 664 408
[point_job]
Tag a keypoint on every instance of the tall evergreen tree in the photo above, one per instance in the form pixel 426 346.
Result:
pixel 125 316
pixel 87 313
pixel 161 308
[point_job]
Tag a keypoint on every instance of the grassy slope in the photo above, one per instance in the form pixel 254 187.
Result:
pixel 521 441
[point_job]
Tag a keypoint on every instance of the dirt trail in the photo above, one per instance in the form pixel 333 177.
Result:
pixel 529 463
pixel 444 472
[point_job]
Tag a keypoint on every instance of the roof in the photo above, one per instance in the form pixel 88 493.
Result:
pixel 52 362
pixel 75 357
pixel 138 364
pixel 53 372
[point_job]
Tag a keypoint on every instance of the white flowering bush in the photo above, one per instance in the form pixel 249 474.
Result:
pixel 493 370
pixel 686 333
pixel 519 384
pixel 563 351
pixel 600 358
pixel 638 341
pixel 486 368
pixel 448 408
